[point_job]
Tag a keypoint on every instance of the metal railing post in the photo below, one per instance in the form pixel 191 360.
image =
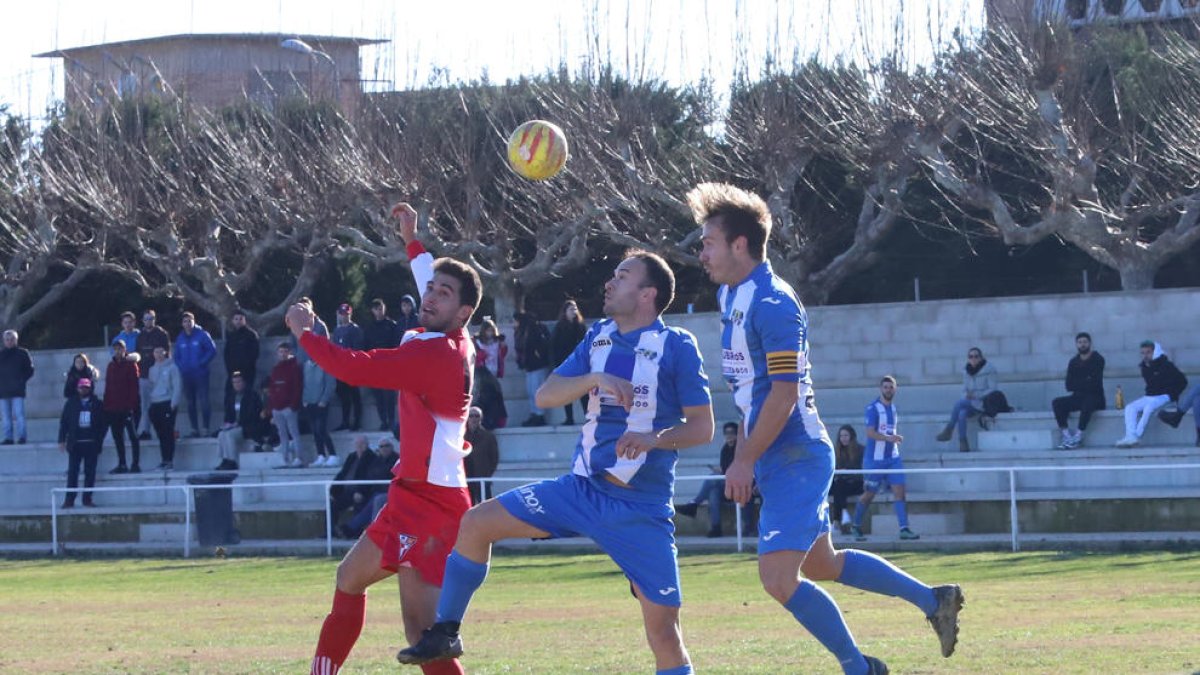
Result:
pixel 54 522
pixel 187 521
pixel 737 513
pixel 1012 508
pixel 329 521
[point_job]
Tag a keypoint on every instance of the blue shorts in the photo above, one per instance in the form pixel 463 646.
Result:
pixel 639 537
pixel 795 510
pixel 884 479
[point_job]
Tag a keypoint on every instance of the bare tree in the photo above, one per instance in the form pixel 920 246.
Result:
pixel 1088 139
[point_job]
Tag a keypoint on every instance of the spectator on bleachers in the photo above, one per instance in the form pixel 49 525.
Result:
pixel 490 347
pixel 122 403
pixel 1085 381
pixel 849 455
pixel 979 380
pixel 81 368
pixel 1189 401
pixel 1164 383
pixel 348 335
pixel 881 456
pixel 316 393
pixel 194 351
pixel 712 490
pixel 376 495
pixel 319 328
pixel 408 318
pixel 533 356
pixel 166 392
pixel 381 333
pixel 567 333
pixel 243 420
pixel 283 400
pixel 484 457
pixel 152 337
pixel 129 333
pixel 358 463
pixel 16 367
pixel 487 394
pixel 81 434
pixel 241 353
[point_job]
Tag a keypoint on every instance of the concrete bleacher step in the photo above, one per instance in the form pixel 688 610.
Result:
pixel 1016 439
pixel 165 533
pixel 921 523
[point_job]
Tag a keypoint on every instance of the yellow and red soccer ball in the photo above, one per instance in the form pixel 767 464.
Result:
pixel 537 150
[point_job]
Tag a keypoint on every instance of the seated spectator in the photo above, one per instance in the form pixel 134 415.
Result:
pixel 122 403
pixel 1085 381
pixel 849 454
pixel 357 467
pixel 375 496
pixel 81 434
pixel 1164 383
pixel 979 380
pixel 712 490
pixel 81 369
pixel 243 420
pixel 484 457
pixel 1189 401
pixel 882 458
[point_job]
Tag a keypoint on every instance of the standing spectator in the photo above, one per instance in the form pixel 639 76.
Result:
pixel 1085 381
pixel 408 319
pixel 712 490
pixel 533 356
pixel 15 370
pixel 567 333
pixel 317 392
pixel 1189 401
pixel 194 351
pixel 283 400
pixel 129 333
pixel 80 435
pixel 490 348
pixel 979 380
pixel 81 368
pixel 380 333
pixel 849 455
pixel 319 328
pixel 122 404
pixel 882 456
pixel 166 392
pixel 241 353
pixel 487 394
pixel 484 457
pixel 1164 383
pixel 152 337
pixel 348 335
pixel 243 420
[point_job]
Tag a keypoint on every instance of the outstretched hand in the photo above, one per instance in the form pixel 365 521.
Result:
pixel 406 220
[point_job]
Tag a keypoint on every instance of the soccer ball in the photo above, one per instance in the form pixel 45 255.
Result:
pixel 537 150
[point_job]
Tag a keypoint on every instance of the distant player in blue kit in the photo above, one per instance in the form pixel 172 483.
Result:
pixel 648 399
pixel 882 458
pixel 785 447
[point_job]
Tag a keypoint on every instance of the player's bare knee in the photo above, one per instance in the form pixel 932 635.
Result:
pixel 348 578
pixel 821 568
pixel 779 585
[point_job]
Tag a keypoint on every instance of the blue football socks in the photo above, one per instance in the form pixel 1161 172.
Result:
pixel 463 578
pixel 902 512
pixel 819 614
pixel 685 669
pixel 859 511
pixel 869 572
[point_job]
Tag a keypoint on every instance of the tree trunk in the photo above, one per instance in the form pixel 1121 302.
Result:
pixel 1137 275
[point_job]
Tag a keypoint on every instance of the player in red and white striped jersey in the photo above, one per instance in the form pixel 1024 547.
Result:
pixel 416 530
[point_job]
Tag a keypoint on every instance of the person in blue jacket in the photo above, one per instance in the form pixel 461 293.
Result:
pixel 194 351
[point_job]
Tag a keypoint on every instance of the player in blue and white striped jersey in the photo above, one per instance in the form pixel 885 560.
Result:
pixel 648 399
pixel 764 342
pixel 882 458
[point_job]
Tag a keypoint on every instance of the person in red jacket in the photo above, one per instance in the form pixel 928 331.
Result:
pixel 123 403
pixel 283 400
pixel 415 532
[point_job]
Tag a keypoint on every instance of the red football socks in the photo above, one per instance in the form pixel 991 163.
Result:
pixel 340 631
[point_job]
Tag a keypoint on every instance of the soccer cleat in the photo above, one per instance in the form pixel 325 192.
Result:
pixel 945 618
pixel 875 666
pixel 908 535
pixel 858 533
pixel 439 642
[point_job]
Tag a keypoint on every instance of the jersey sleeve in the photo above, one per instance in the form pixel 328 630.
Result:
pixel 872 417
pixel 782 329
pixel 579 362
pixel 413 366
pixel 691 382
pixel 421 263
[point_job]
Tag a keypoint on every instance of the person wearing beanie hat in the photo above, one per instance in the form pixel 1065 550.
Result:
pixel 348 335
pixel 81 432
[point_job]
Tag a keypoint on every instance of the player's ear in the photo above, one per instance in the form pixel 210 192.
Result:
pixel 464 314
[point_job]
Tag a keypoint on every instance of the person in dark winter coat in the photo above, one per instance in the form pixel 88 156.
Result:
pixel 194 351
pixel 348 335
pixel 81 368
pixel 122 405
pixel 16 368
pixel 533 356
pixel 81 435
pixel 152 337
pixel 484 457
pixel 1085 382
pixel 1164 383
pixel 356 467
pixel 243 420
pixel 567 333
pixel 382 333
pixel 408 318
pixel 241 353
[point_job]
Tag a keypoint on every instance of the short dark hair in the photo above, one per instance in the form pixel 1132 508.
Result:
pixel 730 426
pixel 1083 334
pixel 238 312
pixel 284 345
pixel 658 275
pixel 150 312
pixel 131 315
pixel 187 315
pixel 237 374
pixel 378 302
pixel 471 287
pixel 742 214
pixel 887 378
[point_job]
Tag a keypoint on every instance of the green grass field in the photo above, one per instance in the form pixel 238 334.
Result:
pixel 1025 613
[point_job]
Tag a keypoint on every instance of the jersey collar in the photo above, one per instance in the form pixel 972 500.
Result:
pixel 762 271
pixel 633 335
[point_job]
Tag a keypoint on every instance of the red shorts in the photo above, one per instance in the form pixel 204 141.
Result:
pixel 418 527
